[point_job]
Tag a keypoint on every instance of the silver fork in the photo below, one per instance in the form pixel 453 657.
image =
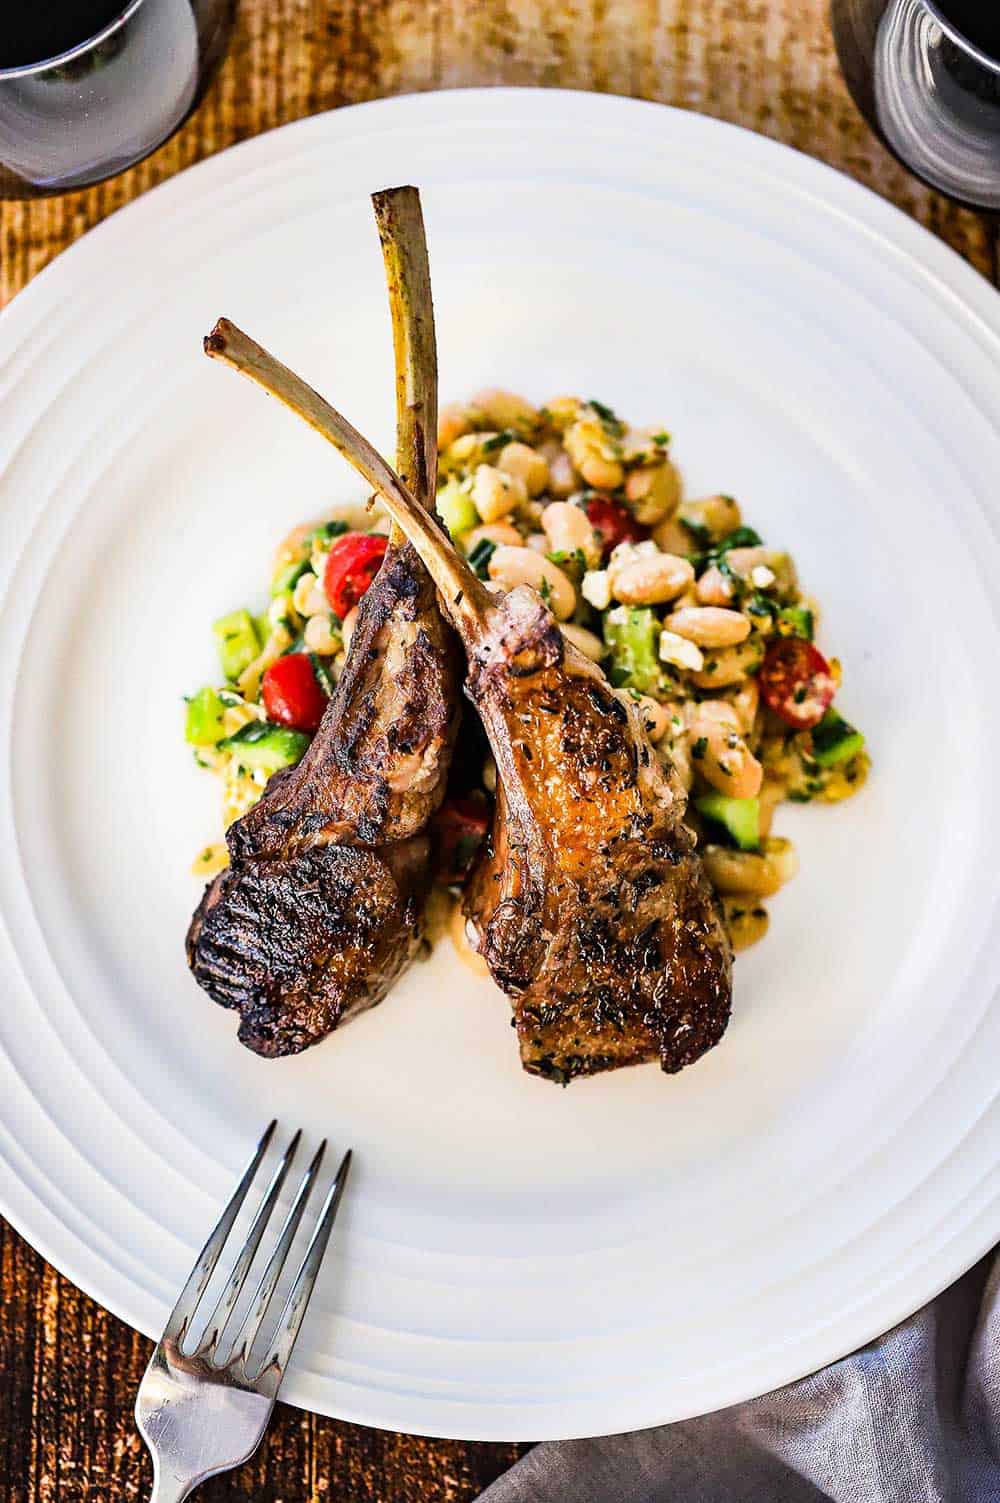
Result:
pixel 200 1415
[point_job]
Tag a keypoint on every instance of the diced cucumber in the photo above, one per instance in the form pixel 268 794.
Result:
pixel 237 641
pixel 455 508
pixel 286 579
pixel 259 744
pixel 835 740
pixel 796 621
pixel 203 726
pixel 632 633
pixel 740 816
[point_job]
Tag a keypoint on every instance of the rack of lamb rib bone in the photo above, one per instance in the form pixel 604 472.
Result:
pixel 589 904
pixel 320 909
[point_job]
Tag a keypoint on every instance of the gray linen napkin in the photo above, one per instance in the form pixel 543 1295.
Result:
pixel 912 1418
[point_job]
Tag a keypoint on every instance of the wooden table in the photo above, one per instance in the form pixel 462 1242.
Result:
pixel 68 1370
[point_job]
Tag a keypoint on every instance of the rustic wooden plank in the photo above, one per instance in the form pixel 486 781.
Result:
pixel 68 1376
pixel 68 1370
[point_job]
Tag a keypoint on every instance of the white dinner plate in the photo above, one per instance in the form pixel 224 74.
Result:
pixel 514 1260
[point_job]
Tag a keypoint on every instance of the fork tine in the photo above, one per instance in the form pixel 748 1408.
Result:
pixel 219 1318
pixel 247 1334
pixel 294 1310
pixel 187 1303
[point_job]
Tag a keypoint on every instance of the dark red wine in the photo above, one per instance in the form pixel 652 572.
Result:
pixel 978 21
pixel 34 30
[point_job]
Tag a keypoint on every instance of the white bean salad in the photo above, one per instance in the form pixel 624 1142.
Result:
pixel 687 609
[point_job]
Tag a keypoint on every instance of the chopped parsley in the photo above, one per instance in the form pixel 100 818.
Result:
pixel 479 558
pixel 498 441
pixel 699 749
pixel 762 606
pixel 740 537
pixel 322 676
pixel 328 531
pixel 608 417
pixel 715 553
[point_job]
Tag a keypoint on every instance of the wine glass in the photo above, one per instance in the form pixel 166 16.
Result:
pixel 926 75
pixel 112 97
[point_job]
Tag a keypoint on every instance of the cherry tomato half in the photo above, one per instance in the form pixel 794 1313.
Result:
pixel 613 523
pixel 351 565
pixel 292 693
pixel 796 682
pixel 459 828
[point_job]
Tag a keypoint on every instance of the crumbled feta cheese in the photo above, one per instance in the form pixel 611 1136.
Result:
pixel 631 553
pixel 681 653
pixel 761 576
pixel 596 588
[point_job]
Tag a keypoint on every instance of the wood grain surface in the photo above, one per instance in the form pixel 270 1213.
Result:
pixel 68 1370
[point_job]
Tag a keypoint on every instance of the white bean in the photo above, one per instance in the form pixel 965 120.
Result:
pixel 747 922
pixel 672 537
pixel 527 464
pixel 651 580
pixel 653 492
pixel 746 702
pixel 719 514
pixel 511 567
pixel 743 562
pixel 747 872
pixel 492 532
pixel 584 641
pixel 725 666
pixel 563 479
pixel 595 454
pixel 320 636
pixel 347 626
pixel 709 625
pixel 304 587
pixel 568 528
pixel 505 409
pixel 713 588
pixel 454 421
pixel 495 494
pixel 562 412
pixel 719 751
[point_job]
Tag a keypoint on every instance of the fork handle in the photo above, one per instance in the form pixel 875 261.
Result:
pixel 168 1489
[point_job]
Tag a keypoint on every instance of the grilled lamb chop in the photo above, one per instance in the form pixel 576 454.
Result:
pixel 320 909
pixel 591 906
